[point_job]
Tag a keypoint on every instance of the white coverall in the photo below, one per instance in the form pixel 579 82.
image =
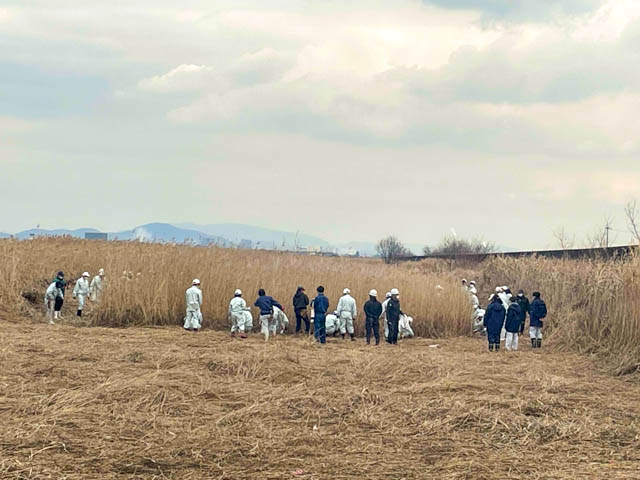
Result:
pixel 383 316
pixel 238 310
pixel 280 319
pixel 81 291
pixel 193 299
pixel 535 332
pixel 511 341
pixel 404 326
pixel 478 318
pixel 331 324
pixel 95 288
pixel 504 298
pixel 347 312
pixel 50 299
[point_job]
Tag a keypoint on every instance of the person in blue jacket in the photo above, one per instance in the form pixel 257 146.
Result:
pixel 493 322
pixel 266 303
pixel 537 312
pixel 320 306
pixel 512 325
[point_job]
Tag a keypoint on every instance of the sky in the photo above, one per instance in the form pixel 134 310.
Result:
pixel 350 120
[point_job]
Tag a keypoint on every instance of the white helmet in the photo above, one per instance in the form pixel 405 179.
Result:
pixel 498 289
pixel 86 274
pixel 101 271
pixel 395 291
pixel 373 293
pixel 238 292
pixel 472 282
pixel 388 295
pixel 335 312
pixel 196 281
pixel 345 291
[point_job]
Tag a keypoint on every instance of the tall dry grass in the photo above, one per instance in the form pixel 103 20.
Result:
pixel 162 273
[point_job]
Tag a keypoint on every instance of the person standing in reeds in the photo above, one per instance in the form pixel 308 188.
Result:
pixel 512 325
pixel 347 312
pixel 320 306
pixel 61 285
pixel 81 292
pixel 393 316
pixel 265 303
pixel 525 306
pixel 97 284
pixel 536 314
pixel 238 313
pixel 494 321
pixel 193 298
pixel 300 304
pixel 372 312
pixel 50 298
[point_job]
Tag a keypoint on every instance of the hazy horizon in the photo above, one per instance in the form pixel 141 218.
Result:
pixel 347 121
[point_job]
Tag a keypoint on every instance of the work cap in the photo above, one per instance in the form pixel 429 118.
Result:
pixel 238 292
pixel 101 271
pixel 395 291
pixel 388 295
pixel 85 274
pixel 196 281
pixel 346 290
pixel 472 282
pixel 373 293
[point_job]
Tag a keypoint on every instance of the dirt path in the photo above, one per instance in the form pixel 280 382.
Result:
pixel 159 403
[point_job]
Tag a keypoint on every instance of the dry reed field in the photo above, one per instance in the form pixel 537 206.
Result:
pixel 157 402
pixel 144 403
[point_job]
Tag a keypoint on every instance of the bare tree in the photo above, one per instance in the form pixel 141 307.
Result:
pixel 390 249
pixel 563 238
pixel 631 212
pixel 601 237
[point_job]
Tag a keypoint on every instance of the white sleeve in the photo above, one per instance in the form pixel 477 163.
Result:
pixel 76 288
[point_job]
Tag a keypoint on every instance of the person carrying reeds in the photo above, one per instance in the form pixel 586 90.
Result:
pixel 320 306
pixel 300 304
pixel 266 303
pixel 238 311
pixel 494 321
pixel 537 312
pixel 372 312
pixel 193 298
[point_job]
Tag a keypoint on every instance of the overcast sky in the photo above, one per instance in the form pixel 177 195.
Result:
pixel 345 119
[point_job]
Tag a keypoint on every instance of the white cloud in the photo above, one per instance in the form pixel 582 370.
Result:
pixel 182 78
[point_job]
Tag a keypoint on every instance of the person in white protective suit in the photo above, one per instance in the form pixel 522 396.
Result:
pixel 97 284
pixel 404 326
pixel 281 320
pixel 478 320
pixel 504 296
pixel 193 299
pixel 50 296
pixel 347 312
pixel 472 287
pixel 383 315
pixel 81 291
pixel 331 323
pixel 240 315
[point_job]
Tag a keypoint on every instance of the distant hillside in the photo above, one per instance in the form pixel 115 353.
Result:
pixel 79 233
pixel 165 232
pixel 268 238
pixel 4 235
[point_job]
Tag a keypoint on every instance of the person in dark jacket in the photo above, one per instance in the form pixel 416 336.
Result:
pixel 61 285
pixel 265 303
pixel 372 312
pixel 512 324
pixel 320 306
pixel 493 322
pixel 300 304
pixel 525 305
pixel 393 316
pixel 537 312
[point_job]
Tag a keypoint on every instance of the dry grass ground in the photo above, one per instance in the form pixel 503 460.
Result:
pixel 80 403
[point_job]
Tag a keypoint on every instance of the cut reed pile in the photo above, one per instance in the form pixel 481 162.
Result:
pixel 161 403
pixel 161 273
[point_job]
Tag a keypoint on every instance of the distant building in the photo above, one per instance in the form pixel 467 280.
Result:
pixel 95 236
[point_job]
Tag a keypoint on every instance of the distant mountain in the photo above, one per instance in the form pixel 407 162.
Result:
pixel 165 232
pixel 4 235
pixel 260 237
pixel 40 232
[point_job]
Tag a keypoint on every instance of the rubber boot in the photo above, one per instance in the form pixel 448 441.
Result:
pixel 353 338
pixel 534 344
pixel 233 334
pixel 491 347
pixel 497 347
pixel 539 343
pixel 342 335
pixel 79 313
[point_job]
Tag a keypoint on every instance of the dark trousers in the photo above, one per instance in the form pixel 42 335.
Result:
pixel 319 328
pixel 373 324
pixel 393 331
pixel 58 304
pixel 522 325
pixel 301 314
pixel 493 338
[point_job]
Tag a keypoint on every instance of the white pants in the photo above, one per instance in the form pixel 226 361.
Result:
pixel 49 305
pixel 193 319
pixel 81 300
pixel 503 334
pixel 386 328
pixel 535 332
pixel 406 331
pixel 241 321
pixel 346 323
pixel 269 325
pixel 511 342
